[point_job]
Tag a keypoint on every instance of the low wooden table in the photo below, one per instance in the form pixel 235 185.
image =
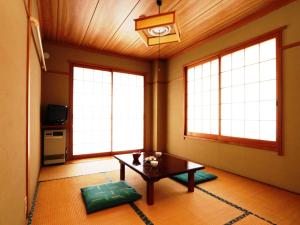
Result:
pixel 168 166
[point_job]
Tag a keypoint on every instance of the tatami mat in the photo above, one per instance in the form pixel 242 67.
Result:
pixel 59 202
pixel 173 205
pixel 78 169
pixel 251 220
pixel 261 199
pixel 230 199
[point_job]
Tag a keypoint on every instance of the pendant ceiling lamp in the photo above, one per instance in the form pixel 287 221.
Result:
pixel 158 29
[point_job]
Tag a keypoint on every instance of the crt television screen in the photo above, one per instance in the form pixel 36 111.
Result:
pixel 56 114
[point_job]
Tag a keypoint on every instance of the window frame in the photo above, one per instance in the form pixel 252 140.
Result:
pixel 275 146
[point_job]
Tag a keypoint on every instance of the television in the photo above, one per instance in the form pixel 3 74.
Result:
pixel 56 114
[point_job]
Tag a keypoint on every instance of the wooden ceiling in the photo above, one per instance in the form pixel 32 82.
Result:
pixel 108 26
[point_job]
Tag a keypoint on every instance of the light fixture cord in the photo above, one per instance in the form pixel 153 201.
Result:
pixel 159 2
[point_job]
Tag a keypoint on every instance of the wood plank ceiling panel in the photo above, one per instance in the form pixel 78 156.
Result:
pixel 48 18
pixel 109 25
pixel 207 24
pixel 108 17
pixel 226 18
pixel 208 21
pixel 73 19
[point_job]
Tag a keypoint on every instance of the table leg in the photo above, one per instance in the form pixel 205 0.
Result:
pixel 191 181
pixel 150 194
pixel 122 171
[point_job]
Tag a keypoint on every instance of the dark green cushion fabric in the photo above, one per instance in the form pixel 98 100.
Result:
pixel 200 177
pixel 108 195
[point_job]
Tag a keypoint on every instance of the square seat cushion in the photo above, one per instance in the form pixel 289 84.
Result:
pixel 107 195
pixel 200 177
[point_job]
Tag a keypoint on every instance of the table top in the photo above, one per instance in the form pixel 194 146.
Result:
pixel 168 165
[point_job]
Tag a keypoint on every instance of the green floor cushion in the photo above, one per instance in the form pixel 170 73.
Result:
pixel 108 195
pixel 200 177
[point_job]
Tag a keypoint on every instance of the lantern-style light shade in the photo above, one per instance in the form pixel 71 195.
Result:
pixel 158 29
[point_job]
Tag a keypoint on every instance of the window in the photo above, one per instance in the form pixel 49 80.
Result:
pixel 108 111
pixel 235 95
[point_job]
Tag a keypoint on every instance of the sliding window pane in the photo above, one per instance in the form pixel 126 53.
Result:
pixel 226 63
pixel 128 112
pixel 252 74
pixel 268 70
pixel 91 111
pixel 267 50
pixel 249 94
pixel 203 98
pixel 252 55
pixel 238 60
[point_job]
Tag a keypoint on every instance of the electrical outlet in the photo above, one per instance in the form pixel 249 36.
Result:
pixel 25 205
